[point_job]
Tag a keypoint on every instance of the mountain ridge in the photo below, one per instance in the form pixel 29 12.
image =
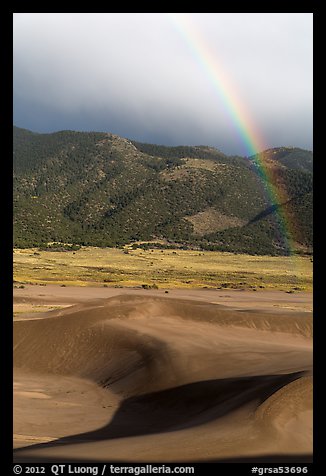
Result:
pixel 100 189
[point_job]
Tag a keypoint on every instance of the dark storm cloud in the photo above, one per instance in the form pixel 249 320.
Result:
pixel 137 76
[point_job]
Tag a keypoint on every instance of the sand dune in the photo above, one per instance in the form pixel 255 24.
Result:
pixel 148 378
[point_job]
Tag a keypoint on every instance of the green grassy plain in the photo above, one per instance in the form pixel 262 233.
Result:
pixel 92 266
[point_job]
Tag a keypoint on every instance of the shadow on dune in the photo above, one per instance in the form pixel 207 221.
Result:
pixel 178 408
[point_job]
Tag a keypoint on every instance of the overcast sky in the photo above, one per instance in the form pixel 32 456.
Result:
pixel 166 79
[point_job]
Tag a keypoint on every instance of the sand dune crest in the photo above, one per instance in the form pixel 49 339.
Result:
pixel 229 383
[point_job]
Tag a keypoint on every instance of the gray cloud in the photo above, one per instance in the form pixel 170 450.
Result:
pixel 138 76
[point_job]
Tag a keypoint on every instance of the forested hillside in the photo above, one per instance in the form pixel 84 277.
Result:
pixel 103 190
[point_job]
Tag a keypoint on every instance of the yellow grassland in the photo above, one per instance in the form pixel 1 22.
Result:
pixel 164 268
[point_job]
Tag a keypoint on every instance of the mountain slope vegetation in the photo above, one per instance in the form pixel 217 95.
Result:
pixel 94 188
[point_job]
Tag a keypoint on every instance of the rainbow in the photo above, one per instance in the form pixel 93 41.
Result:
pixel 245 127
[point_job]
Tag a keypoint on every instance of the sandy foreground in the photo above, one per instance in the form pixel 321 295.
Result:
pixel 106 374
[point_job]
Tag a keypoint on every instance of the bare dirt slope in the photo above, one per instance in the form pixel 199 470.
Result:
pixel 150 378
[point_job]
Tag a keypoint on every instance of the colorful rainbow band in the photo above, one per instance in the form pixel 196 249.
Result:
pixel 241 120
